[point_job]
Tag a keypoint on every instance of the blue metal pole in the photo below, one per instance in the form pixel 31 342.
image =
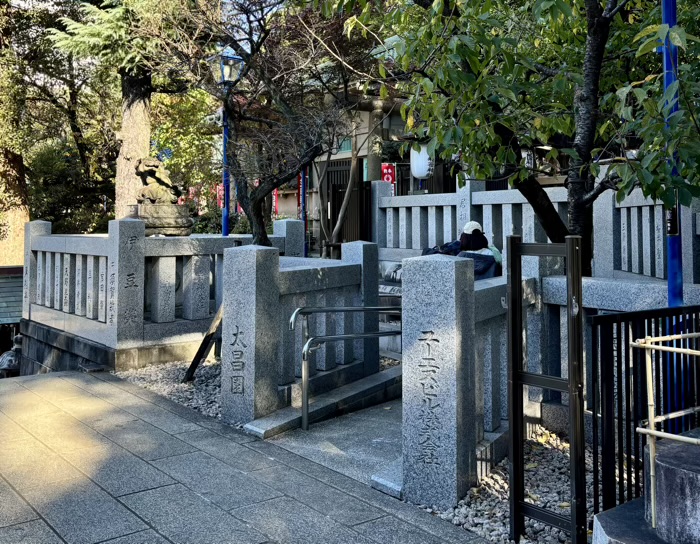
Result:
pixel 303 210
pixel 226 180
pixel 673 234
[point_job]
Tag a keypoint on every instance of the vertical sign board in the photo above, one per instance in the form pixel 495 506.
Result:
pixel 389 175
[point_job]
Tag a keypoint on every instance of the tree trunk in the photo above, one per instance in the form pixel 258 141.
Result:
pixel 322 177
pixel 342 214
pixel 256 215
pixel 586 103
pixel 546 213
pixel 374 146
pixel 135 137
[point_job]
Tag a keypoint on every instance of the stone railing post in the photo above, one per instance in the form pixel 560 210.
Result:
pixel 293 232
pixel 250 335
pixel 380 189
pixel 606 225
pixel 366 254
pixel 466 211
pixel 125 281
pixel 29 287
pixel 439 400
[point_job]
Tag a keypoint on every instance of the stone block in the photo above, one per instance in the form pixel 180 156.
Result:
pixel 325 326
pixel 102 290
pixel 32 283
pixel 405 228
pixel 449 224
pixel 439 402
pixel 365 254
pixel 40 282
pixel 92 286
pixel 195 303
pixel 380 190
pixel 392 227
pixel 58 281
pixel 162 289
pixel 435 226
pixel 48 279
pixel 304 300
pixel 419 224
pixel 125 281
pixel 286 360
pixel 68 283
pixel 80 284
pixel 250 334
pixel 293 232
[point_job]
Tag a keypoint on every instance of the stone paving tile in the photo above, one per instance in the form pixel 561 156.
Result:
pixel 94 411
pixel 186 518
pixel 228 451
pixel 116 470
pixel 143 537
pixel 82 513
pixel 62 432
pixel 324 498
pixel 11 431
pixel 13 509
pixel 21 404
pixel 216 481
pixel 144 440
pixel 389 530
pixel 404 511
pixel 52 388
pixel 291 522
pixel 226 430
pixel 28 463
pixel 33 532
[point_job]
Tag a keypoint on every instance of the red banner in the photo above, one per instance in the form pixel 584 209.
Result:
pixel 389 175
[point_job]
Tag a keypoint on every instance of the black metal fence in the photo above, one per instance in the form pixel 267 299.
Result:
pixel 617 396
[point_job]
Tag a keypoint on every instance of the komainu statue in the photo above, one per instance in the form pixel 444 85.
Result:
pixel 158 199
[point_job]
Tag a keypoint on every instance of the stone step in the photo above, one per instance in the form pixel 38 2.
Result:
pixel 489 452
pixel 89 367
pixel 677 490
pixel 374 389
pixel 624 525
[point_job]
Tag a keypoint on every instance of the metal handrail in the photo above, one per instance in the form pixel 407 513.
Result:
pixel 305 311
pixel 313 344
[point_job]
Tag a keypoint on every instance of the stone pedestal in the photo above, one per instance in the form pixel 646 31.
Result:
pixel 166 219
pixel 439 401
pixel 293 232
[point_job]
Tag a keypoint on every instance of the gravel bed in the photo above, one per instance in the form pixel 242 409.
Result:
pixel 202 394
pixel 485 509
pixel 387 362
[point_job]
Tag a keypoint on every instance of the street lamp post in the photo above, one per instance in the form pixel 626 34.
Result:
pixel 227 73
pixel 673 219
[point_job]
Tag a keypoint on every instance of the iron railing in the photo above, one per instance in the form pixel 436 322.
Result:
pixel 618 399
pixel 313 343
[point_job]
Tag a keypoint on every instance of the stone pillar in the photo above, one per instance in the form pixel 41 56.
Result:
pixel 125 282
pixel 366 255
pixel 31 287
pixel 419 224
pixel 162 286
pixel 92 287
pixel 195 281
pixel 293 232
pixel 80 284
pixel 68 279
pixel 606 225
pixel 380 189
pixel 250 335
pixel 439 422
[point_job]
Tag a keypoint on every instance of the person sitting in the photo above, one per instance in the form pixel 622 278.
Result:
pixel 474 245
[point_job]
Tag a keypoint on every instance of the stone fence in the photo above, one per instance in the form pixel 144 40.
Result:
pixel 261 357
pixel 124 299
pixel 630 237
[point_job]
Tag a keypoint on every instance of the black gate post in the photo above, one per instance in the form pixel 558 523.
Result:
pixel 519 378
pixel 577 437
pixel 515 391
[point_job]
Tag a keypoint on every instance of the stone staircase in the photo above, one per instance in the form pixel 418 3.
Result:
pixel 677 500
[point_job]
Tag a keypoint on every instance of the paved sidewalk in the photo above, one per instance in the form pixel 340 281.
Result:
pixel 87 459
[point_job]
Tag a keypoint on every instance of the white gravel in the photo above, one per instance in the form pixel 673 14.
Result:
pixel 485 509
pixel 202 394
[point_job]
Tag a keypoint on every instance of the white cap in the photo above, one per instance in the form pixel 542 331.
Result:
pixel 471 227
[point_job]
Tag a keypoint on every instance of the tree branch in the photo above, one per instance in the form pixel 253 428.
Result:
pixel 609 182
pixel 611 10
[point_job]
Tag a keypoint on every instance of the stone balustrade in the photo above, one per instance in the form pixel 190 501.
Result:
pixel 261 357
pixel 122 297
